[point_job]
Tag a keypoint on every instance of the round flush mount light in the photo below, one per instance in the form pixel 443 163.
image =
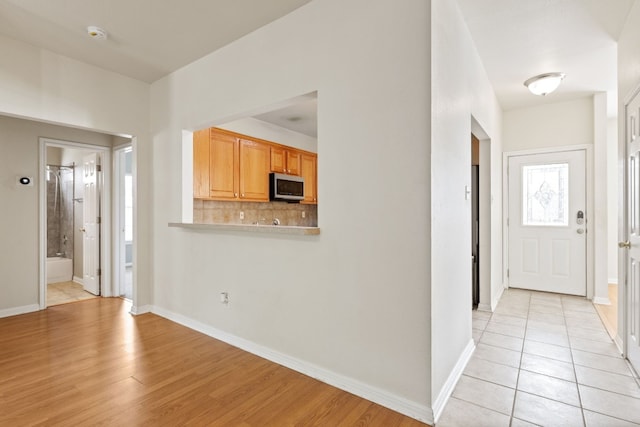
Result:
pixel 544 83
pixel 96 32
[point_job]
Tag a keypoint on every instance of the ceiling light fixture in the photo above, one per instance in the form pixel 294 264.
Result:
pixel 96 32
pixel 544 83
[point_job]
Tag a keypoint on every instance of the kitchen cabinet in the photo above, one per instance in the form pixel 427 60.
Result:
pixel 309 171
pixel 254 170
pixel 224 178
pixel 285 160
pixel 226 167
pixel 234 167
pixel 201 158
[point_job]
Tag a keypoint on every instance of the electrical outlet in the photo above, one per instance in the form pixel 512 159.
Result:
pixel 304 214
pixel 241 215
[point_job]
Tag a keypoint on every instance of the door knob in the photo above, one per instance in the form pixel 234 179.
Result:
pixel 626 244
pixel 83 229
pixel 580 231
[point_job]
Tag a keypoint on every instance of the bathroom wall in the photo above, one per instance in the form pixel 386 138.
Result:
pixel 219 212
pixel 60 194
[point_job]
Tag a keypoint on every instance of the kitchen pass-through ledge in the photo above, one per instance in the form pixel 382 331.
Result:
pixel 267 229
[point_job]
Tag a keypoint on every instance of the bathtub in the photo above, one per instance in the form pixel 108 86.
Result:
pixel 59 269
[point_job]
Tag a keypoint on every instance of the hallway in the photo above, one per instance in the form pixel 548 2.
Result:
pixel 543 359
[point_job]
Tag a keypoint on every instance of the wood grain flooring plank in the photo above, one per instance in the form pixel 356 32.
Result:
pixel 92 363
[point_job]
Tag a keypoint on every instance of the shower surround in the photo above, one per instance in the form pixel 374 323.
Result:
pixel 60 195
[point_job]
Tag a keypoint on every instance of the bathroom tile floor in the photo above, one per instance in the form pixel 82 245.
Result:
pixel 543 359
pixel 64 292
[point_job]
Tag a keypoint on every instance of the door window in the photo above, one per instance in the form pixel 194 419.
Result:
pixel 545 195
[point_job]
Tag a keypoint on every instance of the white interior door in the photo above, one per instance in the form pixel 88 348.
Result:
pixel 547 222
pixel 91 224
pixel 632 294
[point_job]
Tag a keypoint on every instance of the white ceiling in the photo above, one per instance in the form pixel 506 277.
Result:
pixel 518 39
pixel 148 39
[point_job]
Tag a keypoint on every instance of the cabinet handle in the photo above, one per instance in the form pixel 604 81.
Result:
pixel 235 194
pixel 242 195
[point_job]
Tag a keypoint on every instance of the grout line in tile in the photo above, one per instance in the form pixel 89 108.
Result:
pixel 573 365
pixel 515 396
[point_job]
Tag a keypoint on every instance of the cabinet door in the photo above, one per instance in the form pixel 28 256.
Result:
pixel 309 169
pixel 201 153
pixel 223 174
pixel 293 162
pixel 254 171
pixel 278 160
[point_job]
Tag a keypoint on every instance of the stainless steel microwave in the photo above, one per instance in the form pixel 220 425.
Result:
pixel 286 188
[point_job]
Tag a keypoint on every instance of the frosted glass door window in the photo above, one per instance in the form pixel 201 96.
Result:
pixel 545 194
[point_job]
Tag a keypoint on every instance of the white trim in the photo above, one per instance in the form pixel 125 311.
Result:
pixel 143 309
pixel 106 223
pixel 601 300
pixel 452 380
pixel 397 403
pixel 78 280
pixel 14 311
pixel 588 149
pixel 612 280
pixel 119 264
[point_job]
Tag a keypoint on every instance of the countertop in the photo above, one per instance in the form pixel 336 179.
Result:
pixel 266 229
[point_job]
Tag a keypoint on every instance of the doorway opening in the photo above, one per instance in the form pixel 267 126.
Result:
pixel 475 220
pixel 74 205
pixel 123 229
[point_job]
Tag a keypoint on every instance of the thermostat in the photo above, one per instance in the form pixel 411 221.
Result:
pixel 25 180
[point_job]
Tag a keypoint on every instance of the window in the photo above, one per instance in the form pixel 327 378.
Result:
pixel 545 195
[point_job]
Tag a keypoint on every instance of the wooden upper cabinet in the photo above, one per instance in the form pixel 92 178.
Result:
pixel 309 169
pixel 284 160
pixel 254 171
pixel 201 150
pixel 293 162
pixel 230 166
pixel 278 160
pixel 223 174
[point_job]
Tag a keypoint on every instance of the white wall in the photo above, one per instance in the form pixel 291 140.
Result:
pixel 270 132
pixel 19 142
pixel 48 87
pixel 461 91
pixel 353 301
pixel 549 125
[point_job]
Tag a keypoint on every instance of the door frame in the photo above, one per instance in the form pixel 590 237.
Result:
pixel 105 203
pixel 118 222
pixel 589 261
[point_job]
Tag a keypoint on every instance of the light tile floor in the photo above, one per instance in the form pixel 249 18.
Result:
pixel 543 359
pixel 65 292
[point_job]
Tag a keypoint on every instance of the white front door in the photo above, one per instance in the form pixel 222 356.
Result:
pixel 547 222
pixel 91 224
pixel 632 294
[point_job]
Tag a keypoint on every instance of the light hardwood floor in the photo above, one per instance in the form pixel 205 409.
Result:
pixel 609 313
pixel 92 363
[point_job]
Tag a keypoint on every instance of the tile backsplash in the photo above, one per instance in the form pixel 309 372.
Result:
pixel 220 212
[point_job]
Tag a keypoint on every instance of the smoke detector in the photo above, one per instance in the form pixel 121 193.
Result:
pixel 96 32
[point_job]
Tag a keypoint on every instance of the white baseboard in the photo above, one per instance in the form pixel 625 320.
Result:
pixel 399 404
pixel 78 280
pixel 495 299
pixel 137 310
pixel 452 380
pixel 484 307
pixel 14 311
pixel 602 300
pixel 612 281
